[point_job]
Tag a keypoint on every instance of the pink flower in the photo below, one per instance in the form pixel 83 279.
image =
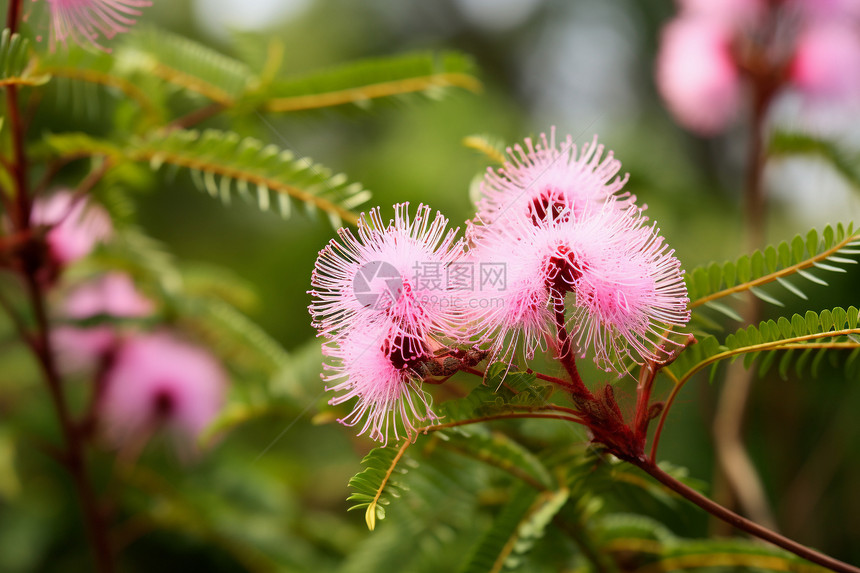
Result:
pixel 158 381
pixel 734 12
pixel 540 181
pixel 826 63
pixel 834 10
pixel 75 226
pixel 626 299
pixel 113 295
pixel 696 73
pixel 381 300
pixel 84 21
pixel 375 364
pixel 627 288
pixel 394 273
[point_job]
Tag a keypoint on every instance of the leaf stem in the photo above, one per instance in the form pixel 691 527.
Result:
pixel 810 262
pixel 742 523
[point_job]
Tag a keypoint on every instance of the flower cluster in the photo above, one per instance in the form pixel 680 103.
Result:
pixel 381 323
pixel 711 49
pixel 553 221
pixel 565 229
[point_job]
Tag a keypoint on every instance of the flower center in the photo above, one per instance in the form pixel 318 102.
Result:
pixel 405 351
pixel 163 404
pixel 550 206
pixel 563 270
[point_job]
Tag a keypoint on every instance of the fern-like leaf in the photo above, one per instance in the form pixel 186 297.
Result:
pixel 378 482
pixel 15 64
pixel 186 64
pixel 363 82
pixel 75 65
pixel 77 144
pixel 824 331
pixel 499 450
pixel 632 535
pixel 221 161
pixel 823 251
pixel 521 522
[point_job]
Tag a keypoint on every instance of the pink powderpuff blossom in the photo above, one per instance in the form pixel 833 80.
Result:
pixel 832 10
pixel 85 21
pixel 394 273
pixel 545 178
pixel 628 298
pixel 826 63
pixel 696 73
pixel 375 363
pixel 114 295
pixel 158 381
pixel 75 225
pixel 733 12
pixel 626 286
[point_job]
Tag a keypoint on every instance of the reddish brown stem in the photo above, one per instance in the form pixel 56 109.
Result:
pixel 13 15
pixel 193 118
pixel 74 458
pixel 742 523
pixel 21 217
pixel 566 356
pixel 643 399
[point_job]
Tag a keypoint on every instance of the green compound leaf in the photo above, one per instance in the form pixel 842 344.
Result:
pixel 77 144
pixel 186 64
pixel 823 332
pixel 223 162
pixel 521 522
pixel 81 77
pixel 638 537
pixel 380 480
pixel 501 451
pixel 802 256
pixel 15 63
pixel 361 83
pixel 374 486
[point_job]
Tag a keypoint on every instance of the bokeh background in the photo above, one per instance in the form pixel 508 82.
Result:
pixel 583 66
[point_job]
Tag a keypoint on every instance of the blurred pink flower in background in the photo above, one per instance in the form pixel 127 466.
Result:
pixel 113 295
pixel 696 74
pixel 158 381
pixel 76 225
pixel 714 50
pixel 827 61
pixel 85 21
pixel 735 12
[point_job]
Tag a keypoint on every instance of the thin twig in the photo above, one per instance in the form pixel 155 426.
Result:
pixel 742 523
